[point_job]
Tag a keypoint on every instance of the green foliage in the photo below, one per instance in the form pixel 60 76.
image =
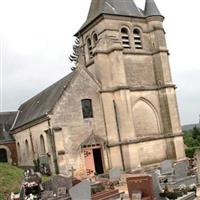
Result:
pixel 190 151
pixel 196 133
pixel 192 141
pixel 1 196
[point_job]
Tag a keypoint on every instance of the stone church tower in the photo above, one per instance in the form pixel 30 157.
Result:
pixel 117 109
pixel 124 49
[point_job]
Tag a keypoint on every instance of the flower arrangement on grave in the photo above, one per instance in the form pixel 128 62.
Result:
pixel 179 192
pixel 31 190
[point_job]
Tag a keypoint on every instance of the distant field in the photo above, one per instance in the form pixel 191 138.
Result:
pixel 10 179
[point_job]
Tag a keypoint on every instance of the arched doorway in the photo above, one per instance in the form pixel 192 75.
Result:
pixel 3 155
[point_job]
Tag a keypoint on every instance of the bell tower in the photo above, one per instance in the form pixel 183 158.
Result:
pixel 123 47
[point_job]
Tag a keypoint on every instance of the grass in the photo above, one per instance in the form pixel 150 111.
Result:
pixel 10 179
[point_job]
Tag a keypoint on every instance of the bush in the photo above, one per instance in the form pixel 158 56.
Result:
pixel 190 151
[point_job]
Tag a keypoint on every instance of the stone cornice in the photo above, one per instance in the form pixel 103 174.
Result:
pixel 148 53
pixel 144 139
pixel 128 51
pixel 138 88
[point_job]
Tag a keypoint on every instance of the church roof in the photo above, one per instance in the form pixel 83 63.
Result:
pixel 112 7
pixel 151 9
pixel 6 122
pixel 42 104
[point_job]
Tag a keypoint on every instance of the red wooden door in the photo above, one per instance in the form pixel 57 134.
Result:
pixel 89 162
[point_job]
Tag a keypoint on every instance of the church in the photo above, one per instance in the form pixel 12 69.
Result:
pixel 118 108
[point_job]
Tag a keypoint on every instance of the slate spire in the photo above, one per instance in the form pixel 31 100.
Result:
pixel 151 9
pixel 112 7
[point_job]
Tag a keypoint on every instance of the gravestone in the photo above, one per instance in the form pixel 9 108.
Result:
pixel 157 188
pixel 136 195
pixel 44 160
pixel 61 192
pixel 115 174
pixel 81 191
pixel 141 183
pixel 48 185
pixel 181 170
pixel 166 167
pixel 72 170
pixel 60 181
pixel 46 195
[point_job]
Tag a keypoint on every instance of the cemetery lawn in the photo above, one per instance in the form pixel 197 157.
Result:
pixel 10 179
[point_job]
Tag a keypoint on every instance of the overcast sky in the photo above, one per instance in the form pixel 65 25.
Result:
pixel 36 39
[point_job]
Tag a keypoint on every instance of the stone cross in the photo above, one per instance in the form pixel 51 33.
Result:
pixel 72 170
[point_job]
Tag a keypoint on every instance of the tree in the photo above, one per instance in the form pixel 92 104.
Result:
pixel 74 57
pixel 196 133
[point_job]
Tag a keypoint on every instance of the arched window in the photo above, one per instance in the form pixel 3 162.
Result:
pixel 125 38
pixel 137 38
pixel 42 145
pixel 95 38
pixel 89 46
pixel 19 152
pixel 87 108
pixel 27 148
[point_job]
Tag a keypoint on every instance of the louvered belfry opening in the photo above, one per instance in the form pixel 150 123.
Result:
pixel 137 39
pixel 89 45
pixel 125 38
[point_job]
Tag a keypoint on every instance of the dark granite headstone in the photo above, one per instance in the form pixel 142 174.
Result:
pixel 141 183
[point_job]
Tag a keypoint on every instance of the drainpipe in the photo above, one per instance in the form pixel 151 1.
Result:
pixel 53 145
pixel 119 135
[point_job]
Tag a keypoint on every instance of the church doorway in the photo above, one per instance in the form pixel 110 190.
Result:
pixel 3 155
pixel 93 160
pixel 98 161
